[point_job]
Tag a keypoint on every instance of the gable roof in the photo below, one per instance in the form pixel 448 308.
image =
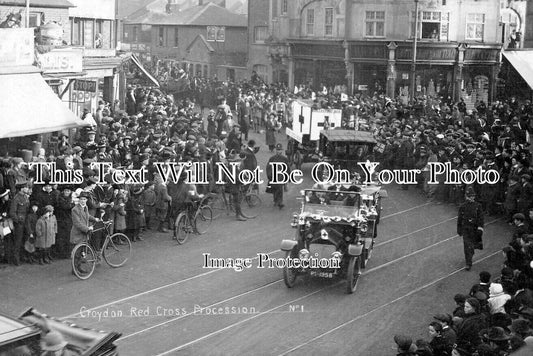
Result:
pixel 204 41
pixel 209 14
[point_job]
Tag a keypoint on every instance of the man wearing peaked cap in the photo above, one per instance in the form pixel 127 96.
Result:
pixel 470 222
pixel 277 188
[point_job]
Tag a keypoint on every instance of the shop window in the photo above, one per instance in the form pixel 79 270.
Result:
pixel 432 25
pixel 260 34
pixel 375 24
pixel 310 22
pixel 475 27
pixel 328 30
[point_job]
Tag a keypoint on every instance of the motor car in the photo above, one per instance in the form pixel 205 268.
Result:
pixel 25 335
pixel 338 226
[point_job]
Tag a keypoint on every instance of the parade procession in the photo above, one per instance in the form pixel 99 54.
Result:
pixel 266 177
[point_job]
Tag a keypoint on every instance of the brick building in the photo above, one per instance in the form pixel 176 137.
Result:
pixel 367 45
pixel 208 39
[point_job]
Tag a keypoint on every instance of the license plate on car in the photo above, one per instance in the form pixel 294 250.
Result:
pixel 321 274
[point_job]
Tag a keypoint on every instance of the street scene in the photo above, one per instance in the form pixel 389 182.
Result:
pixel 266 177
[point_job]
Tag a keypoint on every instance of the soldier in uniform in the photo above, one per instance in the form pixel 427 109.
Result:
pixel 470 223
pixel 18 212
pixel 277 189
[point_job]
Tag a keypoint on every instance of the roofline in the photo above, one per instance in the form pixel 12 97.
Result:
pixel 13 3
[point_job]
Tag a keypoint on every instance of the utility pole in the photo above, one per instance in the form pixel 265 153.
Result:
pixel 413 65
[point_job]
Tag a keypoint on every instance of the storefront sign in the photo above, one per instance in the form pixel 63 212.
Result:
pixel 378 52
pixel 16 46
pixel 323 50
pixel 61 61
pixel 85 85
pixel 431 54
pixel 484 55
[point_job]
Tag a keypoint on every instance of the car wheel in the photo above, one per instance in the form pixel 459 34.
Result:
pixel 353 273
pixel 290 274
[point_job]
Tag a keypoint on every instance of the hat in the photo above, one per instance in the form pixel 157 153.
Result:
pixel 495 290
pixel 526 177
pixel 49 208
pixel 84 195
pixel 520 326
pixel 445 318
pixel 17 160
pixel 3 192
pixel 519 216
pixel 474 303
pixel 495 333
pixel 279 147
pixel 405 343
pixel 77 149
pixel 191 137
pixel 53 341
pixel 21 184
pixel 137 190
pixel 91 132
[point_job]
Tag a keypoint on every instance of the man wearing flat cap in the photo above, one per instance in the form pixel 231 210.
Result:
pixel 525 199
pixel 18 212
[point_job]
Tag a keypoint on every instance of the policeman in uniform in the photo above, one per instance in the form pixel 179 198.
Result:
pixel 470 223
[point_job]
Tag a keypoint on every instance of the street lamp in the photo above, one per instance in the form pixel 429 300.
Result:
pixel 413 65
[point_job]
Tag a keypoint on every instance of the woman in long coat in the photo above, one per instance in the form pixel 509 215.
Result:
pixel 64 223
pixel 46 230
pixel 271 126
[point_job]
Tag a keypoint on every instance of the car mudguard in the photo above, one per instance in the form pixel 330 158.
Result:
pixel 355 250
pixel 368 242
pixel 288 245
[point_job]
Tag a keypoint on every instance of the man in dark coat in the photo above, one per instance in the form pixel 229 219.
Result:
pixel 470 223
pixel 234 139
pixel 277 189
pixel 18 212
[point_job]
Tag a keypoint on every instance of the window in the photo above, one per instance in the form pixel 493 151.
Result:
pixel 432 25
pixel 328 30
pixel 36 19
pixel 261 71
pixel 475 27
pixel 375 24
pixel 176 38
pixel 284 6
pixel 135 31
pixel 260 34
pixel 310 22
pixel 161 37
pixel 77 32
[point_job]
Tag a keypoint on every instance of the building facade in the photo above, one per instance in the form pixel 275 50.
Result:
pixel 368 45
pixel 206 39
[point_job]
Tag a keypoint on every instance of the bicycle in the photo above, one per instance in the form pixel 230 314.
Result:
pixel 196 217
pixel 116 250
pixel 249 198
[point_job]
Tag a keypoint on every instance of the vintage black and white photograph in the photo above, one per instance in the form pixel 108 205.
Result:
pixel 266 177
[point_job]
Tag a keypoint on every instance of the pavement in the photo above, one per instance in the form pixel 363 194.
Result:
pixel 164 303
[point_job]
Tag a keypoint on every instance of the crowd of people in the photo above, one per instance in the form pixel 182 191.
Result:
pixel 39 222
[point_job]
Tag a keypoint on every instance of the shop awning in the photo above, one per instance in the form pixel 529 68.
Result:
pixel 28 106
pixel 522 61
pixel 140 66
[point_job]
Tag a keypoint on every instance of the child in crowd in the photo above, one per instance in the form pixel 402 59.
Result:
pixel 46 230
pixel 120 213
pixel 31 221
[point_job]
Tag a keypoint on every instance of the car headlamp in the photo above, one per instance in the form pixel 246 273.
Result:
pixel 324 234
pixel 303 254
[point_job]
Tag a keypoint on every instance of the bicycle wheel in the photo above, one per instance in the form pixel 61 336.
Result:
pixel 250 205
pixel 217 205
pixel 117 250
pixel 182 228
pixel 202 219
pixel 83 260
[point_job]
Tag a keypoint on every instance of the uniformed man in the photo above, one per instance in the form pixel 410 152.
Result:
pixel 277 189
pixel 470 223
pixel 18 212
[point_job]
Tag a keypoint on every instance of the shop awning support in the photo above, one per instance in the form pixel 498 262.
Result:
pixel 66 88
